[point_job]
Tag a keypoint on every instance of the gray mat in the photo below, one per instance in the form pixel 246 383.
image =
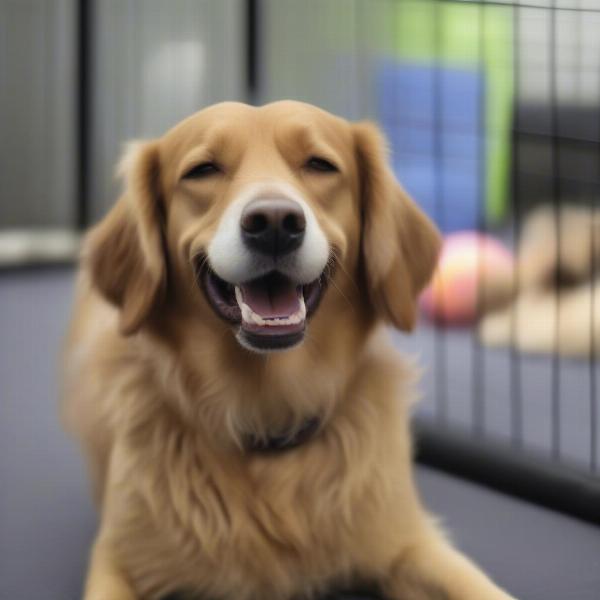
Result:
pixel 47 521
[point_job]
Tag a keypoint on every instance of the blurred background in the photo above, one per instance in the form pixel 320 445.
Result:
pixel 492 111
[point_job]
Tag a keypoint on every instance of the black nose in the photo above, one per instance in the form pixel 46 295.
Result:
pixel 273 227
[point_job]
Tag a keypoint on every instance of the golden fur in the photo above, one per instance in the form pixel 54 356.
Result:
pixel 161 394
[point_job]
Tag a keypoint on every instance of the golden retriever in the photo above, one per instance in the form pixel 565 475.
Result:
pixel 245 420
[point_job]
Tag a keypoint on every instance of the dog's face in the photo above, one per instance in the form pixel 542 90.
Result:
pixel 261 204
pixel 259 219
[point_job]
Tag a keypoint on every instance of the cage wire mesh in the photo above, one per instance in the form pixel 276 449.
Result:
pixel 492 111
pixel 493 116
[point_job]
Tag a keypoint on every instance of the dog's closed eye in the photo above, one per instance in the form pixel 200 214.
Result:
pixel 320 165
pixel 205 169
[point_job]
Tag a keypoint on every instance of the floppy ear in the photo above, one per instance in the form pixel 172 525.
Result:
pixel 124 253
pixel 400 244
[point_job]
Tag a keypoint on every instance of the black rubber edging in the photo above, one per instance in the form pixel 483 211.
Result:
pixel 517 473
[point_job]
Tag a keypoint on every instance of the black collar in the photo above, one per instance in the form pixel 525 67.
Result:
pixel 281 443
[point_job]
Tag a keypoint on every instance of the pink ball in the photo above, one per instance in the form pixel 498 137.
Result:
pixel 468 259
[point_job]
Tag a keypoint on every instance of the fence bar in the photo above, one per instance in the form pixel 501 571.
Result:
pixel 594 423
pixel 252 50
pixel 556 198
pixel 516 409
pixel 84 44
pixel 525 4
pixel 478 365
pixel 440 341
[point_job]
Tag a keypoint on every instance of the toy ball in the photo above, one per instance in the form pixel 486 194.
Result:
pixel 469 263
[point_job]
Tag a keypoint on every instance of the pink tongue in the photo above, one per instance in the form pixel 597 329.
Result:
pixel 271 297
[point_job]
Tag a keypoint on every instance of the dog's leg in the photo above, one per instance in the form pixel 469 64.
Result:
pixel 105 581
pixel 433 570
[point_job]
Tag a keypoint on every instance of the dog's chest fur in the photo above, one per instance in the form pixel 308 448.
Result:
pixel 243 526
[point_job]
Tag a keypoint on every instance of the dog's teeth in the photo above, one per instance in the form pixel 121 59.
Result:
pixel 240 298
pixel 246 313
pixel 249 316
pixel 302 310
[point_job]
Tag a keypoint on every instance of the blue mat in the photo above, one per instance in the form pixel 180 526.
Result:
pixel 434 119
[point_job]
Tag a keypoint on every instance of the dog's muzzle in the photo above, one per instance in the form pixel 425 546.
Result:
pixel 266 268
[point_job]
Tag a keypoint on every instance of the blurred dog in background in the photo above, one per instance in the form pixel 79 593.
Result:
pixel 552 304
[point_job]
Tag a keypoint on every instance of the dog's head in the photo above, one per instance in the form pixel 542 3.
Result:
pixel 259 220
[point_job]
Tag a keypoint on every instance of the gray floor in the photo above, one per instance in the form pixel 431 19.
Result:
pixel 47 522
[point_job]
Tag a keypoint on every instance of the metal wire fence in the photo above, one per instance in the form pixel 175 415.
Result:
pixel 492 109
pixel 493 114
pixel 540 398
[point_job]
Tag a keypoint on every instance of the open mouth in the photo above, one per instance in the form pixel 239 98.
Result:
pixel 271 310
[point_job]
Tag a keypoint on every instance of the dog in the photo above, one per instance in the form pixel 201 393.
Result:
pixel 244 417
pixel 551 303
